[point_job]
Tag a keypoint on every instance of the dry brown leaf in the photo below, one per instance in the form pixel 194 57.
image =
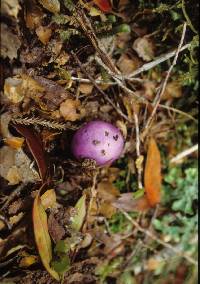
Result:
pixel 127 203
pixel 51 5
pixel 15 166
pixel 128 65
pixel 44 34
pixel 107 191
pixel 14 142
pixel 70 109
pixel 34 15
pixel 10 8
pixel 107 210
pixel 42 237
pixel 144 48
pixel 152 174
pixel 172 90
pixel 9 43
pixel 86 88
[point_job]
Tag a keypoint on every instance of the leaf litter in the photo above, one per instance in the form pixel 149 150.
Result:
pixel 65 63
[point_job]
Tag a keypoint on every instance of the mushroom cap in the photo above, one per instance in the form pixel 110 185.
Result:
pixel 98 140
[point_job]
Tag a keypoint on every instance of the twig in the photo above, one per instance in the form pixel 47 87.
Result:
pixel 184 154
pixel 161 92
pixel 10 198
pixel 154 63
pixel 178 111
pixel 138 166
pixel 99 89
pixel 119 82
pixel 153 237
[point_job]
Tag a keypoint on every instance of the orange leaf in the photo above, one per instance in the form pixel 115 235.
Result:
pixel 42 237
pixel 152 174
pixel 104 5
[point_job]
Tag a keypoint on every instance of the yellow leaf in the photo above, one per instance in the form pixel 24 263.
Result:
pixel 48 199
pixel 28 261
pixel 51 5
pixel 42 237
pixel 152 175
pixel 14 142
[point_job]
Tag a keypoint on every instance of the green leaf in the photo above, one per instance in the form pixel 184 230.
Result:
pixel 62 247
pixel 78 219
pixel 62 265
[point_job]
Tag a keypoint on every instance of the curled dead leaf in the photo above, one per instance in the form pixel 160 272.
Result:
pixel 127 65
pixel 152 174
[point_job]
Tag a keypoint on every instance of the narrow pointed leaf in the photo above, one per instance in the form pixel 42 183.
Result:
pixel 152 175
pixel 79 217
pixel 42 237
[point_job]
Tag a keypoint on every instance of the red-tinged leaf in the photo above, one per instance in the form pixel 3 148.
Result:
pixel 104 5
pixel 35 146
pixel 152 174
pixel 42 237
pixel 127 203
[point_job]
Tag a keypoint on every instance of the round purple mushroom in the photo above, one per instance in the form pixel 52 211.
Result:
pixel 98 140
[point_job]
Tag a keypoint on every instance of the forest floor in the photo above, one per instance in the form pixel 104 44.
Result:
pixel 130 63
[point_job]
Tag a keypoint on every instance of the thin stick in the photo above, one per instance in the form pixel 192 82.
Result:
pixel 153 237
pixel 161 92
pixel 178 111
pixel 155 62
pixel 184 154
pixel 139 167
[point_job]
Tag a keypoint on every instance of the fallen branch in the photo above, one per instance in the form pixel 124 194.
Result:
pixel 184 154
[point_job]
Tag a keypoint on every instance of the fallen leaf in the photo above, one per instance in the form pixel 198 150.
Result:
pixel 51 5
pixel 10 8
pixel 69 109
pixel 104 5
pixel 16 166
pixel 9 43
pixel 14 142
pixel 48 199
pixel 27 261
pixel 107 191
pixel 152 174
pixel 144 48
pixel 85 88
pixel 56 231
pixel 15 219
pixel 33 16
pixel 35 146
pixel 127 65
pixel 172 90
pixel 44 34
pixel 42 237
pixel 127 203
pixel 78 219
